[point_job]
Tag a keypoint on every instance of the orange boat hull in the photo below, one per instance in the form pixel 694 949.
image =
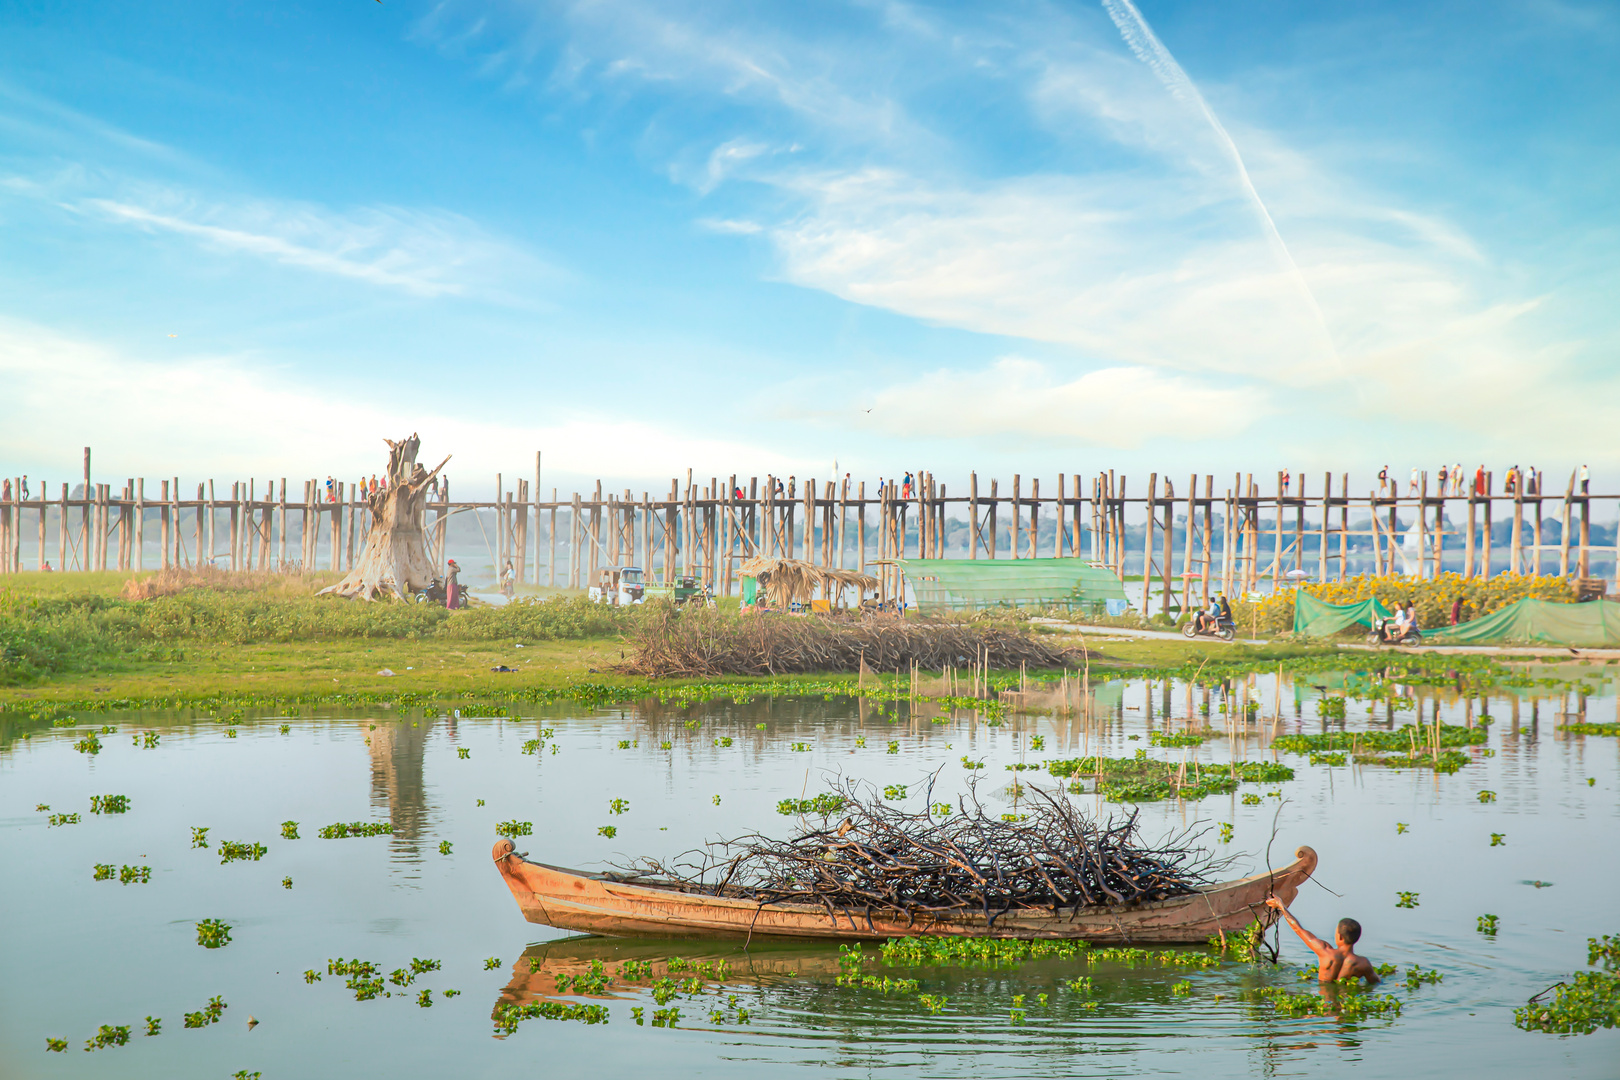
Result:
pixel 596 904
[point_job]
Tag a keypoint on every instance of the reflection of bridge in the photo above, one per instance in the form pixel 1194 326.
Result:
pixel 397 749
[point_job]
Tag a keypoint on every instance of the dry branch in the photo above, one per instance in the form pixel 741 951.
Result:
pixel 694 641
pixel 882 858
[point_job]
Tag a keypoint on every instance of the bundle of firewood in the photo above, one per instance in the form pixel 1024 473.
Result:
pixel 868 855
pixel 667 641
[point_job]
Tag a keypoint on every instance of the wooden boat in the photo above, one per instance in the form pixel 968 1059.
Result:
pixel 599 904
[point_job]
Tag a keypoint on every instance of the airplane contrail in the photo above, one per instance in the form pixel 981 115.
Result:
pixel 1139 36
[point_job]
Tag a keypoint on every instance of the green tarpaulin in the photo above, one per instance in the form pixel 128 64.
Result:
pixel 1536 622
pixel 1318 618
pixel 957 584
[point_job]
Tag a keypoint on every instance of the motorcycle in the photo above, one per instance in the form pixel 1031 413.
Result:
pixel 1384 630
pixel 1223 628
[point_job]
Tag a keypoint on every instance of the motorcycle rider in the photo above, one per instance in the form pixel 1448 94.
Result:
pixel 1209 622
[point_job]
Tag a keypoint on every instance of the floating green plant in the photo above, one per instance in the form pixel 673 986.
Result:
pixel 635 970
pixel 1251 800
pixel 894 747
pixel 154 1026
pixel 289 830
pixel 341 830
pixel 1498 839
pixel 1169 738
pixel 825 803
pixel 860 742
pixel 894 792
pixel 109 804
pixel 492 963
pixel 717 800
pixel 618 806
pixel 363 977
pixel 624 744
pixel 1081 985
pixel 609 831
pixel 1330 708
pixel 934 1003
pixel 444 847
pixel 42 807
pixel 1401 827
pixel 102 872
pixel 1417 976
pixel 243 1074
pixel 1406 899
pixel 1182 988
pixel 62 819
pixel 88 745
pixel 230 733
pixel 312 976
pixel 449 993
pixel 1487 796
pixel 666 745
pixel 134 875
pixel 1585 1002
pixel 1226 832
pixel 286 728
pixel 422 967
pixel 971 765
pixel 55 1046
pixel 800 747
pixel 236 851
pixel 1486 924
pixel 507 1016
pixel 941 809
pixel 208 1014
pixel 1330 757
pixel 425 999
pixel 1590 729
pixel 401 977
pixel 929 950
pixel 463 753
pixel 1347 1002
pixel 108 1035
pixel 213 934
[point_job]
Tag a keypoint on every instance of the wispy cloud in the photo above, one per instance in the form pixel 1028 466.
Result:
pixel 368 248
pixel 1026 402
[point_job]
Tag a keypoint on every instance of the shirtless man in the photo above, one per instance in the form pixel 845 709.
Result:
pixel 1339 960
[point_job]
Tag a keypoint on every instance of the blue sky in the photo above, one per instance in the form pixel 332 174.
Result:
pixel 253 240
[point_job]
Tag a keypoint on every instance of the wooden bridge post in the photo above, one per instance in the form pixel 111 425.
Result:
pixel 1563 529
pixel 995 501
pixel 1034 515
pixel 1485 553
pixel 1147 541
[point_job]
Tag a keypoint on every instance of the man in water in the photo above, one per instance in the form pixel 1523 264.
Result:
pixel 1337 961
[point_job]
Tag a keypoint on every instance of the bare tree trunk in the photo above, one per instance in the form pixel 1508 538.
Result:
pixel 395 560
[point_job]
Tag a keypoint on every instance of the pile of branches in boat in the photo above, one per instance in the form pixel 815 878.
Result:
pixel 692 641
pixel 870 856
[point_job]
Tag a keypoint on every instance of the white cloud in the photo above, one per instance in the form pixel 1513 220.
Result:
pixel 426 253
pixel 228 418
pixel 1026 401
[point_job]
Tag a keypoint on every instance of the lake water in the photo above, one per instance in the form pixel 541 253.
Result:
pixel 78 953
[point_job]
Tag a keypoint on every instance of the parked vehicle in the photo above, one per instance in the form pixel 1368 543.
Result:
pixel 619 586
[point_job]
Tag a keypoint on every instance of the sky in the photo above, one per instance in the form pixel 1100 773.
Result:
pixel 640 238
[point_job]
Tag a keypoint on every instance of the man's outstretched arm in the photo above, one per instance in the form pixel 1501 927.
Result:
pixel 1312 942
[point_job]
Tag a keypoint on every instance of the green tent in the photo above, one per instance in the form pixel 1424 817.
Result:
pixel 1318 618
pixel 1538 622
pixel 958 584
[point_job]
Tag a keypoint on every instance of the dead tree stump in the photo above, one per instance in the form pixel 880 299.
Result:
pixel 395 561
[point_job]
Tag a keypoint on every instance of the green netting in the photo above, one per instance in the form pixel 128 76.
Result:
pixel 1318 618
pixel 1591 625
pixel 959 584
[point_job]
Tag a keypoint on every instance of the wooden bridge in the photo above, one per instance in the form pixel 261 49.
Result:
pixel 1236 540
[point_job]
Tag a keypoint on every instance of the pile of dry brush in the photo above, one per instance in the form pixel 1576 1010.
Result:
pixel 880 858
pixel 696 641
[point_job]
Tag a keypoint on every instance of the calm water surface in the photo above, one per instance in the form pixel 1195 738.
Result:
pixel 78 953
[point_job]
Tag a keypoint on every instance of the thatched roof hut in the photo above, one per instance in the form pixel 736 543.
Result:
pixel 785 582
